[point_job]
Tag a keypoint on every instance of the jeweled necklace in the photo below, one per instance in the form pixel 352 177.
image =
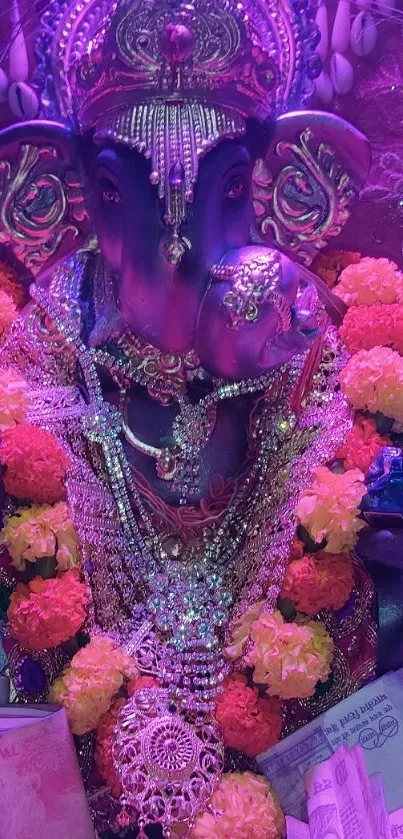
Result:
pixel 168 750
pixel 129 359
pixel 191 431
pixel 165 375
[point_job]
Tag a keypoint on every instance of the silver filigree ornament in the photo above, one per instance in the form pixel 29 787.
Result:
pixel 168 763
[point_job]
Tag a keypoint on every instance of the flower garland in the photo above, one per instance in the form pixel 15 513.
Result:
pixel 275 656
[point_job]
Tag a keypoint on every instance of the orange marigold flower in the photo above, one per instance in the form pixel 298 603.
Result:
pixel 45 613
pixel 379 325
pixel 362 445
pixel 328 266
pixel 35 464
pixel 249 722
pixel 319 581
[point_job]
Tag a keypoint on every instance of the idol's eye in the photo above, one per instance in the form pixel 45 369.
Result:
pixel 110 196
pixel 109 192
pixel 236 188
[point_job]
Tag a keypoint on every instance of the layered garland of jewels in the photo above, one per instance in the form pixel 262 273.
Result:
pixel 179 660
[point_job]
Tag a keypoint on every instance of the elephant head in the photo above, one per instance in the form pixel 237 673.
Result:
pixel 172 186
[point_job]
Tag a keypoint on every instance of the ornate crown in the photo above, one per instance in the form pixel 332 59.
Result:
pixel 170 78
pixel 246 57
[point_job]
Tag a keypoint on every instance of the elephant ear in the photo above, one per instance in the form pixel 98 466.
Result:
pixel 42 212
pixel 304 188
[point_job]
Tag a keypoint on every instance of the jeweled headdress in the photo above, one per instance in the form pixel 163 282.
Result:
pixel 171 78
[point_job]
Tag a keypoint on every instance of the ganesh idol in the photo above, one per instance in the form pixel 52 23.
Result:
pixel 182 361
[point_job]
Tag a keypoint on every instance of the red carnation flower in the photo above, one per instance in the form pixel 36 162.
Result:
pixel 378 325
pixel 319 581
pixel 362 445
pixel 45 613
pixel 249 722
pixel 35 464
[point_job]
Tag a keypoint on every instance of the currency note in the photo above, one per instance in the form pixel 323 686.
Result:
pixel 339 799
pixel 372 718
pixel 379 805
pixel 396 824
pixel 297 829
